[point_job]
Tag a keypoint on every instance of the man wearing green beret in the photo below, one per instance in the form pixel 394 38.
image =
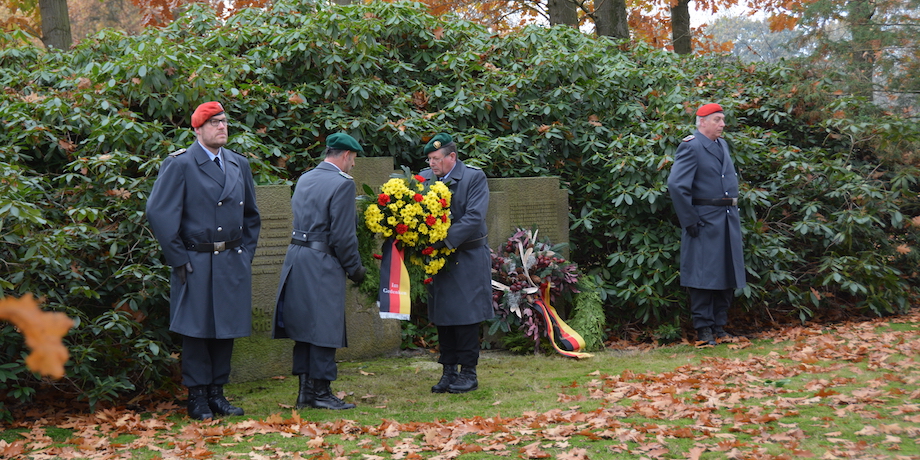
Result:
pixel 310 304
pixel 460 295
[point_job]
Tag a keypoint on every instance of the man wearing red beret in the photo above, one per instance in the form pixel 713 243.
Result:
pixel 703 186
pixel 203 212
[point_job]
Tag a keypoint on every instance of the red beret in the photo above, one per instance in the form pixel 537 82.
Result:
pixel 708 109
pixel 204 112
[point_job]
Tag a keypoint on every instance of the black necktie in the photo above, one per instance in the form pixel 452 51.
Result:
pixel 217 161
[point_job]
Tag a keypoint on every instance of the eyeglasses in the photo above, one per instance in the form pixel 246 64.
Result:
pixel 215 122
pixel 430 160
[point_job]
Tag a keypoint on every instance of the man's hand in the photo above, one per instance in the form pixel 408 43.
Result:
pixel 182 269
pixel 358 276
pixel 439 244
pixel 693 230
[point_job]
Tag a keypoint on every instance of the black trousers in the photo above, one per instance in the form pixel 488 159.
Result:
pixel 206 361
pixel 709 307
pixel 314 361
pixel 459 345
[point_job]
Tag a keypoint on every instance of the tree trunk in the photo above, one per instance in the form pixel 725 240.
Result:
pixel 562 12
pixel 864 33
pixel 611 18
pixel 55 24
pixel 680 27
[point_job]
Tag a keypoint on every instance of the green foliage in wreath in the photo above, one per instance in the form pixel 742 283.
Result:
pixel 588 318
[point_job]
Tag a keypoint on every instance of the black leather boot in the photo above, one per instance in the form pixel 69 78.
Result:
pixel 719 334
pixel 447 377
pixel 198 403
pixel 324 399
pixel 305 395
pixel 466 381
pixel 219 404
pixel 704 336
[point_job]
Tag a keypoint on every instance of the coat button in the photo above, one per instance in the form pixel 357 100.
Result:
pixel 241 203
pixel 216 252
pixel 220 229
pixel 220 203
pixel 239 251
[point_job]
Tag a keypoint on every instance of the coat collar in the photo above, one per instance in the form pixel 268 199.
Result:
pixel 457 174
pixel 711 146
pixel 231 168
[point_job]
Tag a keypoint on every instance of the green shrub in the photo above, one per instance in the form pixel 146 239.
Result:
pixel 827 196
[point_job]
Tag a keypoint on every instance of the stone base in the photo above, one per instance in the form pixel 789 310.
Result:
pixel 260 357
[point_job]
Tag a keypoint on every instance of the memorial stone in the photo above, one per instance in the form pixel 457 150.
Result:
pixel 527 202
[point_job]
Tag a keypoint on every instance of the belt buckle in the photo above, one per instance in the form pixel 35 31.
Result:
pixel 735 201
pixel 220 246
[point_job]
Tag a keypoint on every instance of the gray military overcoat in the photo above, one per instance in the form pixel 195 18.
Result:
pixel 461 293
pixel 704 169
pixel 194 201
pixel 311 294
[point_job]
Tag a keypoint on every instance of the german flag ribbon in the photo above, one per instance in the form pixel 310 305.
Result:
pixel 570 340
pixel 393 294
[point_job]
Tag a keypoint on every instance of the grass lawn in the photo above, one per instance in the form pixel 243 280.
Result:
pixel 832 391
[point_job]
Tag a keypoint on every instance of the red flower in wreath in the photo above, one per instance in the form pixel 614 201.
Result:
pixel 418 197
pixel 428 281
pixel 443 217
pixel 402 228
pixel 378 256
pixel 419 178
pixel 427 251
pixel 383 199
pixel 443 203
pixel 430 220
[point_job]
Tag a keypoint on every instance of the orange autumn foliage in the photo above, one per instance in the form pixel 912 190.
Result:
pixel 42 331
pixel 649 20
pixel 162 12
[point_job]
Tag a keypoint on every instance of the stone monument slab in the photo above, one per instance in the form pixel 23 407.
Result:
pixel 514 202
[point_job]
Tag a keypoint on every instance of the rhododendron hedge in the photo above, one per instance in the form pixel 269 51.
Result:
pixel 828 187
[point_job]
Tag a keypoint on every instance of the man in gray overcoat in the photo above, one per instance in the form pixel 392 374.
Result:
pixel 203 212
pixel 460 295
pixel 703 186
pixel 310 305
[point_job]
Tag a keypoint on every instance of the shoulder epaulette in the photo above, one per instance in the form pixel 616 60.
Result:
pixel 345 175
pixel 177 153
pixel 689 138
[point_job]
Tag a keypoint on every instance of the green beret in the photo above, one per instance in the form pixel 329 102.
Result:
pixel 342 141
pixel 439 140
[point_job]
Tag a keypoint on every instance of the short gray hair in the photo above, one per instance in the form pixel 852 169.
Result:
pixel 333 153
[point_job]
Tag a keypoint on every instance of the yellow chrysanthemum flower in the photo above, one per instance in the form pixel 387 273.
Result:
pixel 417 209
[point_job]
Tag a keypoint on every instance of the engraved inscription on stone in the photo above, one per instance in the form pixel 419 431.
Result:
pixel 528 202
pixel 275 208
pixel 540 214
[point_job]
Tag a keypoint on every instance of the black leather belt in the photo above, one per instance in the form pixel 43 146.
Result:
pixel 473 244
pixel 316 245
pixel 216 246
pixel 716 202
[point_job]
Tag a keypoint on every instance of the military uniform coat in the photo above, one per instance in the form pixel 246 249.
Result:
pixel 703 169
pixel 461 293
pixel 311 293
pixel 194 201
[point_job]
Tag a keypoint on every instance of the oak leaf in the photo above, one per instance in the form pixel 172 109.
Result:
pixel 43 332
